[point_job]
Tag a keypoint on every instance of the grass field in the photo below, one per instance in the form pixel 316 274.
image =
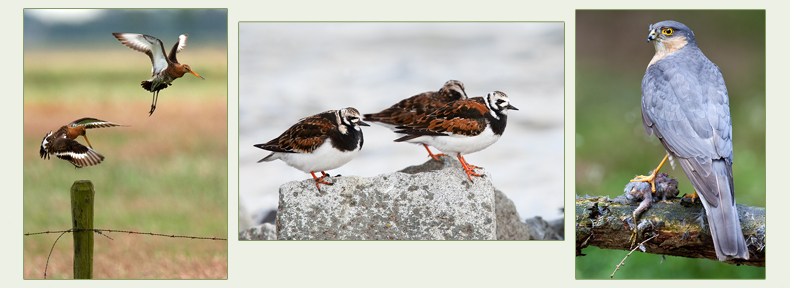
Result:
pixel 167 173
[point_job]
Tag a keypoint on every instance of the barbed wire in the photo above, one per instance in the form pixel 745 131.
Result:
pixel 99 231
pixel 53 248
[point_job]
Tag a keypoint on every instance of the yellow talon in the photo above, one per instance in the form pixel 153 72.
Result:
pixel 652 178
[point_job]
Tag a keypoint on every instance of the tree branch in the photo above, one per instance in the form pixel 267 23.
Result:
pixel 681 227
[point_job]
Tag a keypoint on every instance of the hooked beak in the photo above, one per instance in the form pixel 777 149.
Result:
pixel 652 36
pixel 193 73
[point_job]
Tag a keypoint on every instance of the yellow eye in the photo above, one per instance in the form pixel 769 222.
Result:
pixel 667 31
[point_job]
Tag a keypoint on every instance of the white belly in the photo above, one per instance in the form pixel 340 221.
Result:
pixel 324 158
pixel 453 144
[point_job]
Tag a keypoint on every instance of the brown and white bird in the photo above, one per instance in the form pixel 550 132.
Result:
pixel 63 145
pixel 415 107
pixel 318 143
pixel 165 68
pixel 462 127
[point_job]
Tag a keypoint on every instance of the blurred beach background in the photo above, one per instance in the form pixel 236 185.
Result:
pixel 288 71
pixel 612 146
pixel 166 173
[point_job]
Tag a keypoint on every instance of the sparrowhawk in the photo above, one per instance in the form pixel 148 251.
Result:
pixel 685 104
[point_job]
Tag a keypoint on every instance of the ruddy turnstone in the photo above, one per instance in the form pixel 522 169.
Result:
pixel 320 142
pixel 462 127
pixel 62 143
pixel 165 68
pixel 410 109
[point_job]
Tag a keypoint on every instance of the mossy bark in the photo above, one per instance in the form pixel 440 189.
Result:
pixel 681 227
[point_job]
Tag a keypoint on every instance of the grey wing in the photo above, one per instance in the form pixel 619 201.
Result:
pixel 685 103
pixel 149 45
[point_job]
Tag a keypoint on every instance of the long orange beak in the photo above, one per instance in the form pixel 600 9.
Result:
pixel 193 73
pixel 86 140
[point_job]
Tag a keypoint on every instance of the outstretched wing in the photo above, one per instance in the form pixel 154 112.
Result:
pixel 74 152
pixel 89 123
pixel 149 45
pixel 182 42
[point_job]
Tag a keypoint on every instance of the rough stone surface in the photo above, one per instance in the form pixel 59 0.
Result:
pixel 264 231
pixel 540 229
pixel 436 201
pixel 508 223
pixel 510 227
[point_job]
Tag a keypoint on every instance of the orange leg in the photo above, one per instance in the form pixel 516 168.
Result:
pixel 468 168
pixel 692 196
pixel 320 180
pixel 434 156
pixel 652 178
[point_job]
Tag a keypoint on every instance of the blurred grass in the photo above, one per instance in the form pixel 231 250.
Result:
pixel 115 74
pixel 612 145
pixel 166 173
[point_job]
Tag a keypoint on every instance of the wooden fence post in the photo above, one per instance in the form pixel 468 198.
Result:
pixel 82 218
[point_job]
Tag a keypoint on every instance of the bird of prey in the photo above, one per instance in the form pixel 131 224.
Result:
pixel 686 105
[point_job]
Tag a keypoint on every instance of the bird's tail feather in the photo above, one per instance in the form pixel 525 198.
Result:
pixel 148 86
pixel 717 195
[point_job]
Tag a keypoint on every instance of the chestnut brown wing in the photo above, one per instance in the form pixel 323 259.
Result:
pixel 304 136
pixel 463 117
pixel 74 152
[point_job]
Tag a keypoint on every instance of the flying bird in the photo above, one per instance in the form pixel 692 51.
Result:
pixel 63 145
pixel 165 68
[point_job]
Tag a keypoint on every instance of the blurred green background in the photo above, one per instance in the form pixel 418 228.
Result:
pixel 166 173
pixel 612 146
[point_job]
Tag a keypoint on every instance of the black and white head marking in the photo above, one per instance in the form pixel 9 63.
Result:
pixel 341 121
pixel 349 117
pixel 498 103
